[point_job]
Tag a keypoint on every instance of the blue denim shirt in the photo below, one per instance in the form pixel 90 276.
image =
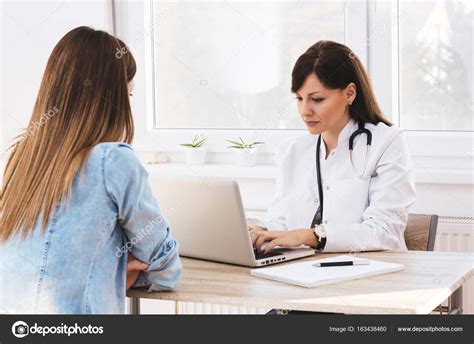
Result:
pixel 78 265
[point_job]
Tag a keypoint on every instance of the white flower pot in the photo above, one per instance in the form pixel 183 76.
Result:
pixel 196 156
pixel 246 157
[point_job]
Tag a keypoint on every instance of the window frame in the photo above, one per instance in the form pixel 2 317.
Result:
pixel 149 138
pixel 446 150
pixel 440 149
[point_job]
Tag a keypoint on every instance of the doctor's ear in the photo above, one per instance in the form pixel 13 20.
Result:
pixel 350 93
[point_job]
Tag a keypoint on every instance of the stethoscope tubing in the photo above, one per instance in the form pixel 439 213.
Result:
pixel 361 130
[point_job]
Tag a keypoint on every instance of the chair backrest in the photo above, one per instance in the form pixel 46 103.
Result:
pixel 420 233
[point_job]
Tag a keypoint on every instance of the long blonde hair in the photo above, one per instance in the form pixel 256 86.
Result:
pixel 82 101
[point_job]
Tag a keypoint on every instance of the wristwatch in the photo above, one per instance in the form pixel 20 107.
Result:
pixel 320 234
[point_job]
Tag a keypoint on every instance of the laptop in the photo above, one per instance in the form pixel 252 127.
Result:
pixel 207 218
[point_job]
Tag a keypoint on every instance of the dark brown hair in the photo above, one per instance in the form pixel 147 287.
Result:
pixel 82 101
pixel 336 66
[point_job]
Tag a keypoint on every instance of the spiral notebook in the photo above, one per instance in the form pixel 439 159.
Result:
pixel 306 275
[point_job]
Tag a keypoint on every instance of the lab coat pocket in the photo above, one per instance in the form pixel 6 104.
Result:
pixel 349 199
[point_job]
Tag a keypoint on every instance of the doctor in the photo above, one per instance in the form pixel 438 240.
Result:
pixel 347 186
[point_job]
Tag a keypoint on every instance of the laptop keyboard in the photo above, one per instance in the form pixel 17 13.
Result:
pixel 261 255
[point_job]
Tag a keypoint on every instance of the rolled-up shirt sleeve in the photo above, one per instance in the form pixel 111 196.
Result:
pixel 140 216
pixel 391 194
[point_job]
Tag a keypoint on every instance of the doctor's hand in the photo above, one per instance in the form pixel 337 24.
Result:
pixel 134 268
pixel 289 238
pixel 253 230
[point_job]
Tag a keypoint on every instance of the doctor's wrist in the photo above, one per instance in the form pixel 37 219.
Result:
pixel 311 239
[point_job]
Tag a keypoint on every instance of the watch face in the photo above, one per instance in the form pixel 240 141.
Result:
pixel 320 231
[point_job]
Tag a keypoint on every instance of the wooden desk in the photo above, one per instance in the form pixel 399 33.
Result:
pixel 429 278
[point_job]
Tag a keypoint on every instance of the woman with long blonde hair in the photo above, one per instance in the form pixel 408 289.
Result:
pixel 75 200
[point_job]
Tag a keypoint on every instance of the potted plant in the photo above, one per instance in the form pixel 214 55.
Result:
pixel 195 151
pixel 245 153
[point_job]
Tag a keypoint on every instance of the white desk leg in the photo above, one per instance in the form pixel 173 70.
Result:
pixel 177 308
pixel 134 305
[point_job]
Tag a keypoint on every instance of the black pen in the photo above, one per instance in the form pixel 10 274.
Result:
pixel 342 263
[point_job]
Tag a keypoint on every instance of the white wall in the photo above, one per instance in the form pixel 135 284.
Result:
pixel 28 33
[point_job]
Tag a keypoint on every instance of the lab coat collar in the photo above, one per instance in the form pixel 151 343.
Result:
pixel 344 135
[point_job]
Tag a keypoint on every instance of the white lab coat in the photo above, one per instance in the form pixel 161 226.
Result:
pixel 360 214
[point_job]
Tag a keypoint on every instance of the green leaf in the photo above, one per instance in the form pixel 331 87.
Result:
pixel 242 144
pixel 234 142
pixel 197 142
pixel 200 143
pixel 254 143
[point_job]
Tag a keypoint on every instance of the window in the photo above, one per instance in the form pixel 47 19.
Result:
pixel 227 65
pixel 223 69
pixel 435 65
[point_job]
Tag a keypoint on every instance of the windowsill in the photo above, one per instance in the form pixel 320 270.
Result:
pixel 214 170
pixel 422 176
pixel 444 176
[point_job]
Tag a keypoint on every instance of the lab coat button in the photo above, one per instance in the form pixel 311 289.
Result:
pixel 327 187
pixel 325 222
pixel 315 200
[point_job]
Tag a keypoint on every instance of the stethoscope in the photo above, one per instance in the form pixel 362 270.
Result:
pixel 361 130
